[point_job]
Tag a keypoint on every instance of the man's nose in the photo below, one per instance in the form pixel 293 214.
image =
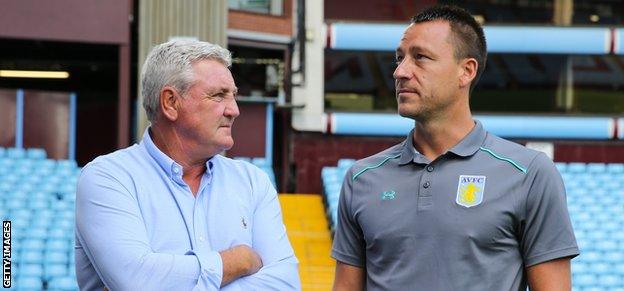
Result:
pixel 401 71
pixel 231 110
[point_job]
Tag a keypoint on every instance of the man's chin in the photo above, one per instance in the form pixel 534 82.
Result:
pixel 411 114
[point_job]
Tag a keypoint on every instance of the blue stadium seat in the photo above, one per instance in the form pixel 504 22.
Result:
pixel 586 280
pixel 260 162
pixel 16 153
pixel 576 168
pixel 54 270
pixel 561 167
pixel 65 283
pixel 38 233
pixel 615 168
pixel 610 280
pixel 2 152
pixel 33 244
pixel 15 204
pixel 38 204
pixel 19 213
pixel 28 256
pixel 345 163
pixel 36 154
pixel 35 270
pixel 28 283
pixel 56 257
pixel 59 244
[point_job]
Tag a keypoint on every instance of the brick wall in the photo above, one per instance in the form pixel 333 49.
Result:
pixel 258 22
pixel 312 152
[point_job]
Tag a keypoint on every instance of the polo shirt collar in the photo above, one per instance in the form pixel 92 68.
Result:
pixel 167 164
pixel 408 153
pixel 468 146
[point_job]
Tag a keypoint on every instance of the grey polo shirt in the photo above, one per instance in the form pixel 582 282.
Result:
pixel 472 219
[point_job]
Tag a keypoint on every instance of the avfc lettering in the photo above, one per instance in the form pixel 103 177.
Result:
pixel 470 190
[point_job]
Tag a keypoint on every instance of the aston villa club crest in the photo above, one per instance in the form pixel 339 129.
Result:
pixel 470 190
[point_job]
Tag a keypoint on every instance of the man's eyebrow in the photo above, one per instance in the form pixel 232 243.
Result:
pixel 416 49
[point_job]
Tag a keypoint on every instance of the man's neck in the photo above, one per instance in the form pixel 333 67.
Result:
pixel 168 141
pixel 433 138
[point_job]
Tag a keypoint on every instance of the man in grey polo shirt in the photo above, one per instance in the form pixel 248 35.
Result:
pixel 452 207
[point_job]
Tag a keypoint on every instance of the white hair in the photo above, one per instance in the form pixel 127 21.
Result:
pixel 171 64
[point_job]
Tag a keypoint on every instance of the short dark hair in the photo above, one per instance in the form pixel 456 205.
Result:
pixel 468 34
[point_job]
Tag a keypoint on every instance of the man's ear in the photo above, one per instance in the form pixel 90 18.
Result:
pixel 468 71
pixel 169 103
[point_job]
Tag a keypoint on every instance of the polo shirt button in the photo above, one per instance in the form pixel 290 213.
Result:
pixel 427 184
pixel 176 170
pixel 429 168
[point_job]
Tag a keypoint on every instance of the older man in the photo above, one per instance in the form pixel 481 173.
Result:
pixel 170 213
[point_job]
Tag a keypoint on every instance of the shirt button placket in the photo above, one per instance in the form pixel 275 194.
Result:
pixel 425 200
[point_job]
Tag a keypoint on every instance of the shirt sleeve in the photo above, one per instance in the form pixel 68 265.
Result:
pixel 269 240
pixel 547 231
pixel 110 228
pixel 348 244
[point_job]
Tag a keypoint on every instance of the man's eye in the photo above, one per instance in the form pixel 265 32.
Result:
pixel 398 59
pixel 217 98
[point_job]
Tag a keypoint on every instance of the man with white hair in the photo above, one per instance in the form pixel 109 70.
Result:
pixel 170 213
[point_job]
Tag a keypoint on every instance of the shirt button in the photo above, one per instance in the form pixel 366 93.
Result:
pixel 429 168
pixel 426 184
pixel 201 239
pixel 176 170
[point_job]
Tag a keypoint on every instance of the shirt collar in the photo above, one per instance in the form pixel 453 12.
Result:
pixel 469 145
pixel 171 167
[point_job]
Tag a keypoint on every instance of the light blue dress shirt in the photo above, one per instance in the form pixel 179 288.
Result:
pixel 139 227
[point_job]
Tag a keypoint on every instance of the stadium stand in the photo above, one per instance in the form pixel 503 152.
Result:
pixel 38 196
pixel 261 163
pixel 596 205
pixel 308 232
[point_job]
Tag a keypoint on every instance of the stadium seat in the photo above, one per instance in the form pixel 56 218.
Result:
pixel 35 270
pixel 576 167
pixel 33 244
pixel 16 153
pixel 64 283
pixel 37 233
pixel 260 162
pixel 54 270
pixel 56 257
pixel 615 168
pixel 345 163
pixel 36 154
pixel 28 283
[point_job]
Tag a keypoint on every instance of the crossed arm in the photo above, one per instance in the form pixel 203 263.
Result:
pixel 111 230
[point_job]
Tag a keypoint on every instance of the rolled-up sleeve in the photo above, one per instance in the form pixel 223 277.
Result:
pixel 112 233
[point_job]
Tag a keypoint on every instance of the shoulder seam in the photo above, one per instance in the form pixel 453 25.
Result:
pixel 375 166
pixel 512 162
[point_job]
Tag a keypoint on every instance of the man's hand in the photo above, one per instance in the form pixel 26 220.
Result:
pixel 239 261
